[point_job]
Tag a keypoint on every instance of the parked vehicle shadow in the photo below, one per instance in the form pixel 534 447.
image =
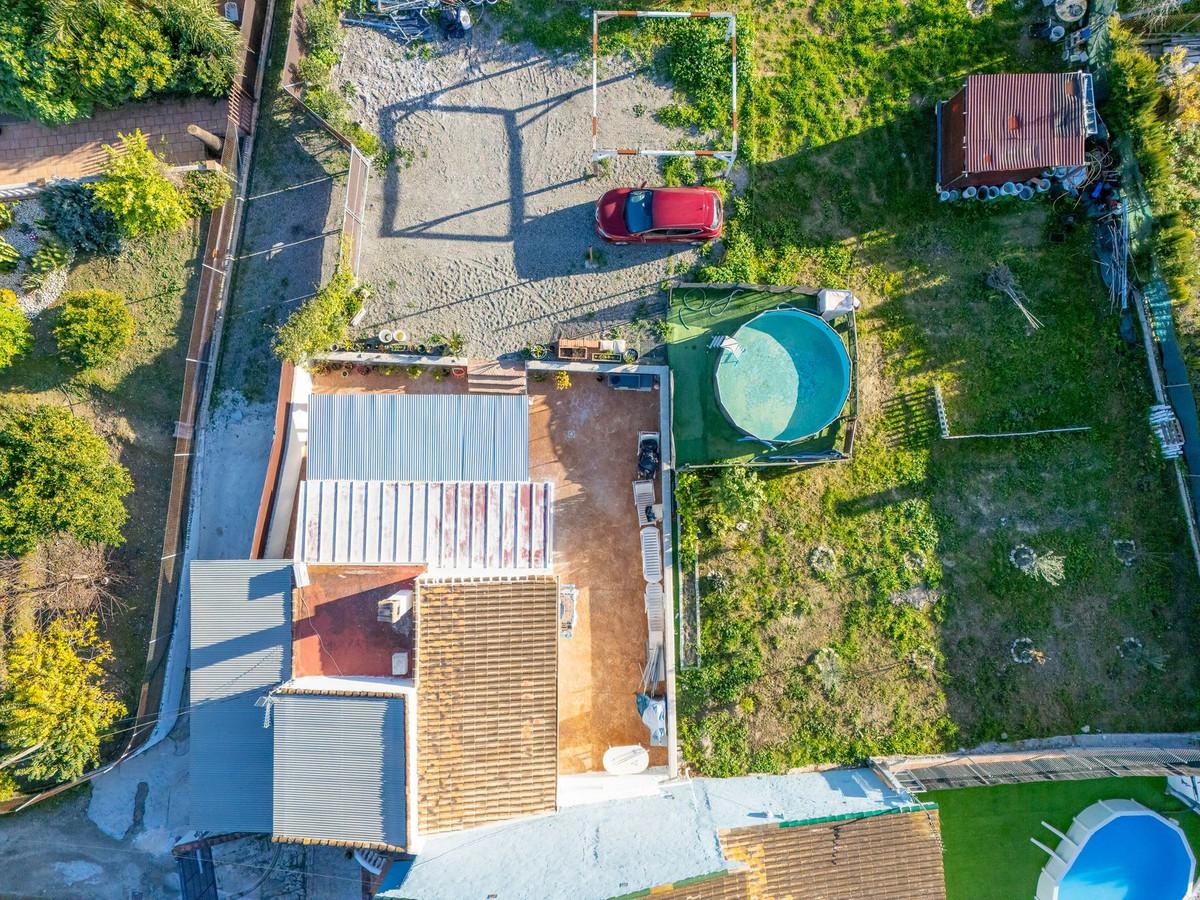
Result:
pixel 563 242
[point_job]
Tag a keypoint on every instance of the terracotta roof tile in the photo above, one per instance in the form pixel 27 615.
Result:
pixel 893 856
pixel 487 701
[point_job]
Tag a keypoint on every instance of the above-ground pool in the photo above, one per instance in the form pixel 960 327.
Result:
pixel 1119 850
pixel 787 376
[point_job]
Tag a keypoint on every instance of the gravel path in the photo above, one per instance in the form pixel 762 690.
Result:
pixel 485 225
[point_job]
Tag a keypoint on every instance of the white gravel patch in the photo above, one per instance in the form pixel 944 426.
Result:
pixel 487 229
pixel 24 234
pixel 77 870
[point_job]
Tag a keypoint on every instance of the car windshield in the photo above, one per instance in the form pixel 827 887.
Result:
pixel 637 211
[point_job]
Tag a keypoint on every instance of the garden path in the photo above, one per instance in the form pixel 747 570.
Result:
pixel 30 151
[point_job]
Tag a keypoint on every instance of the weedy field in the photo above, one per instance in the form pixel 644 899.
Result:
pixel 873 606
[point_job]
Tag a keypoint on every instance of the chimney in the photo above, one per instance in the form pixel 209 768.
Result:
pixel 1013 122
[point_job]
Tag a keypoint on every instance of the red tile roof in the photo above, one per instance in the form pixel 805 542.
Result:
pixel 1027 121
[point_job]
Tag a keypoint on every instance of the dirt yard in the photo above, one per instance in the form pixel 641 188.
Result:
pixel 484 223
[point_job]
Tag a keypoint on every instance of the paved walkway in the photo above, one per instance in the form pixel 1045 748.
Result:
pixel 29 151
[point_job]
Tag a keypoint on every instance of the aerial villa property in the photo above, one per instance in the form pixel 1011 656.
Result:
pixel 457 618
pixel 462 573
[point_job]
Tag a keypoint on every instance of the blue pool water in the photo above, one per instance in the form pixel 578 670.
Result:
pixel 790 380
pixel 1130 858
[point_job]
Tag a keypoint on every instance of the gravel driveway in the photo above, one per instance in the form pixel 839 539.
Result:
pixel 485 224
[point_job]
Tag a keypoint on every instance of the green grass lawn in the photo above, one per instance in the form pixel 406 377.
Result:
pixel 133 404
pixel 986 831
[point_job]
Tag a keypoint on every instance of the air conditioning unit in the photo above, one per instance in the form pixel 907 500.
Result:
pixel 395 607
pixel 400 663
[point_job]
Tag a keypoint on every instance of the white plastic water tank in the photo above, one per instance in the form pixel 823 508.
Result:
pixel 833 303
pixel 628 759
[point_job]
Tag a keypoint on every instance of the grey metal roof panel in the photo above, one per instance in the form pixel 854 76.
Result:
pixel 418 437
pixel 340 766
pixel 454 526
pixel 241 647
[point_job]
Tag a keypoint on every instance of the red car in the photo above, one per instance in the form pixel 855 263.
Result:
pixel 667 215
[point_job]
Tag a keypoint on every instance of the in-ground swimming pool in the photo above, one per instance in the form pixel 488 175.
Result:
pixel 1119 850
pixel 787 377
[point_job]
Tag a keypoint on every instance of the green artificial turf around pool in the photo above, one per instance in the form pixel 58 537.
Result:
pixel 986 831
pixel 702 433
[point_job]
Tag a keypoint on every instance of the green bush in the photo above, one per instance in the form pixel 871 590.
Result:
pixel 323 36
pixel 94 328
pixel 6 215
pixel 322 322
pixel 15 336
pixel 9 256
pixel 61 59
pixel 78 219
pixel 136 190
pixel 50 255
pixel 57 475
pixel 697 59
pixel 323 33
pixel 205 191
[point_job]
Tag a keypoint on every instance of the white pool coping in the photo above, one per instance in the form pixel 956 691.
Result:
pixel 1086 824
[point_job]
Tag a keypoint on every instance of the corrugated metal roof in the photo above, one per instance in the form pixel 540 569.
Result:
pixel 456 526
pixel 418 437
pixel 1047 110
pixel 241 647
pixel 340 765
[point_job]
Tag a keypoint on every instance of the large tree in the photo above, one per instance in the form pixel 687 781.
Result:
pixel 60 59
pixel 55 699
pixel 57 475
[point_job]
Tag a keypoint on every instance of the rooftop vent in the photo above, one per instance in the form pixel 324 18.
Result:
pixel 1013 122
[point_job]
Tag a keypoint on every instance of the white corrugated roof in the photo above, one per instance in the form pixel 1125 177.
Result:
pixel 447 526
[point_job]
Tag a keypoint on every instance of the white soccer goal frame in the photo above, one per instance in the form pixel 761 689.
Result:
pixel 602 153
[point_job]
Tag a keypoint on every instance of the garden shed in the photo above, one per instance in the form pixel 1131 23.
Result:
pixel 1011 127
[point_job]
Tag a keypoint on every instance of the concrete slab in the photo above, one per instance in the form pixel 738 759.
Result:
pixel 584 439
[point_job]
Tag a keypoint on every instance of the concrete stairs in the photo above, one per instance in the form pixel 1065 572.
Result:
pixel 496 377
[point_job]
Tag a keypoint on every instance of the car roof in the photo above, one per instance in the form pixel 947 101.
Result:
pixel 683 208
